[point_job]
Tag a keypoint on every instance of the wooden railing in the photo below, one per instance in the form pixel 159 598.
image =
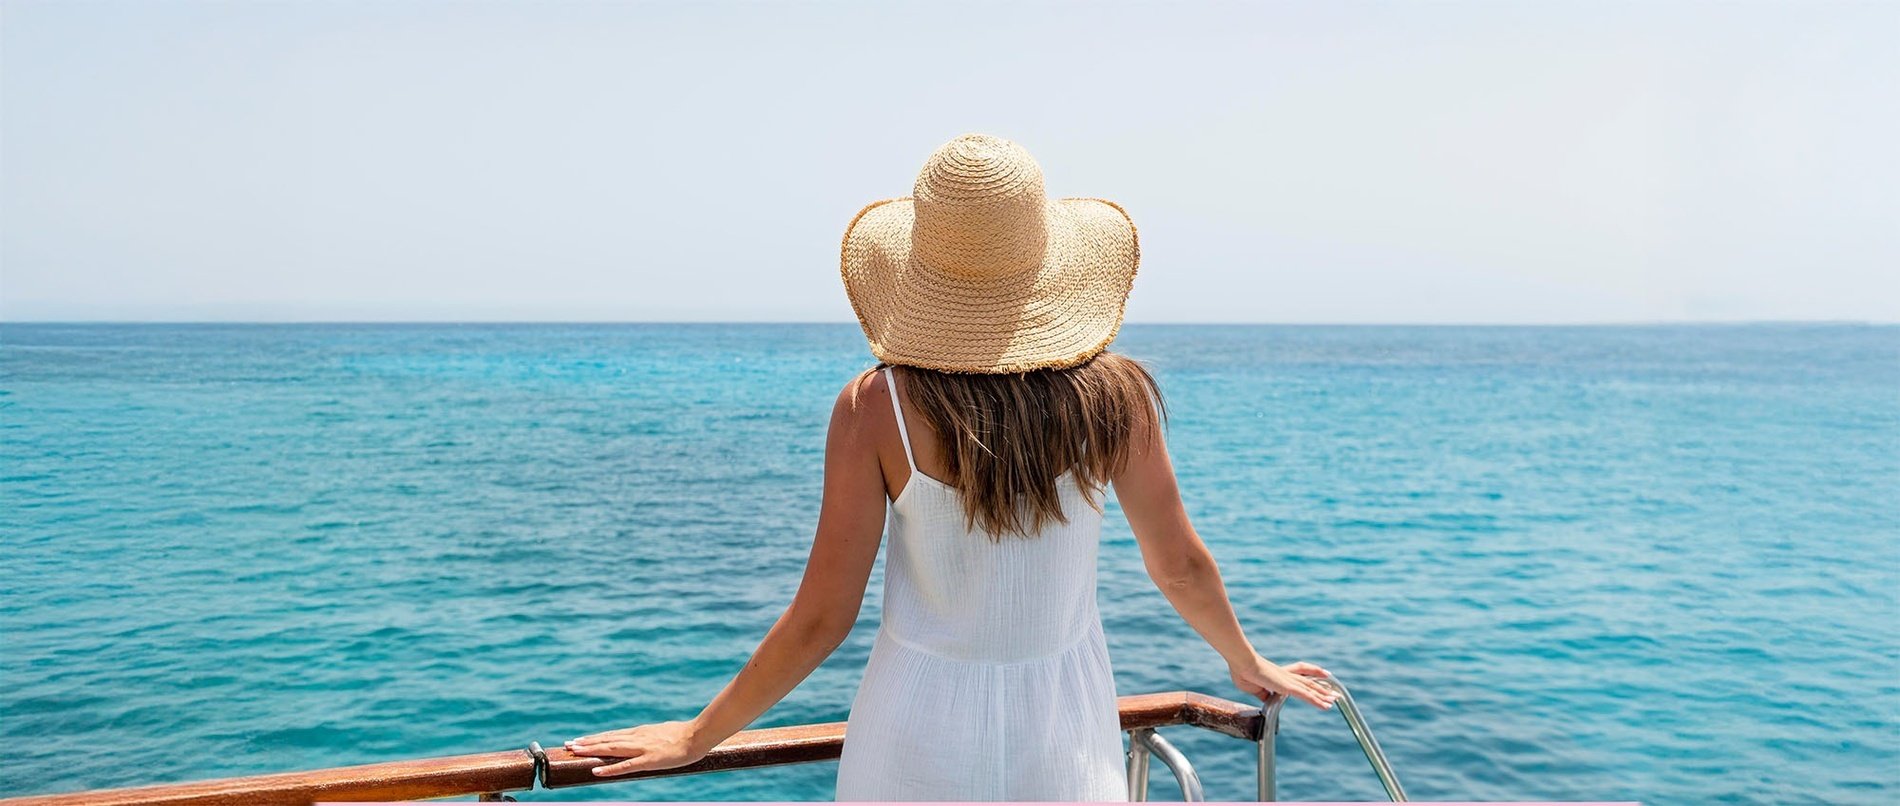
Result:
pixel 489 774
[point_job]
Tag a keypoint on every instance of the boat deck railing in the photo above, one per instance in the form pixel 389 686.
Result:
pixel 1263 729
pixel 490 776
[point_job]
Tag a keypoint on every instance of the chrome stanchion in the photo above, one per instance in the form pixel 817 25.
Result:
pixel 1367 744
pixel 1137 766
pixel 1267 774
pixel 1184 774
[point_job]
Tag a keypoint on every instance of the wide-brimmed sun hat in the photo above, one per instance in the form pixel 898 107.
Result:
pixel 977 271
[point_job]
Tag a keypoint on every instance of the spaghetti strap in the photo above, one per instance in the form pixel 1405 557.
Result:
pixel 890 383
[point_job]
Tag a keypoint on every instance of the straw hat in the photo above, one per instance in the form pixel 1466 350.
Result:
pixel 977 271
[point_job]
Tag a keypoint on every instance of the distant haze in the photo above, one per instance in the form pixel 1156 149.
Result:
pixel 1285 162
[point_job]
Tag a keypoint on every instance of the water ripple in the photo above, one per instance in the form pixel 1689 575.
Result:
pixel 1650 564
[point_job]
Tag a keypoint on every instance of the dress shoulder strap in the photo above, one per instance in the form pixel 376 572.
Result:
pixel 890 383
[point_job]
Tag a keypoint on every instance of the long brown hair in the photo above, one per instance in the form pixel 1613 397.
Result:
pixel 1007 438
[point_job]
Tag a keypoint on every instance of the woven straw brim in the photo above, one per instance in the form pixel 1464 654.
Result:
pixel 1053 317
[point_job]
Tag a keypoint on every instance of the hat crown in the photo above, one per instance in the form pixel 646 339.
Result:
pixel 980 209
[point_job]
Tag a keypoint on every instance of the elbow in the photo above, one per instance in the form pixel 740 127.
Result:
pixel 831 635
pixel 826 630
pixel 1186 573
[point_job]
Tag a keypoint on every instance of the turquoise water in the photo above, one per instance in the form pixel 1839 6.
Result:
pixel 1593 563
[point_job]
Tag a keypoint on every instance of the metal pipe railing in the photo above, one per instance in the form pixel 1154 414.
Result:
pixel 1137 770
pixel 1375 756
pixel 1265 768
pixel 1144 742
pixel 1267 772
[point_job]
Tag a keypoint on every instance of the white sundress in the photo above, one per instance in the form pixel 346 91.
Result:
pixel 989 678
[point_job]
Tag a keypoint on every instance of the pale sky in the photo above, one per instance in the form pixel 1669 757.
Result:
pixel 1522 162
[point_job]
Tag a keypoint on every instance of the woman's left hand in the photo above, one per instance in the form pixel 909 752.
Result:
pixel 659 746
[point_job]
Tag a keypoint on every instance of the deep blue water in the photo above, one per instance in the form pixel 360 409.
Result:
pixel 1637 563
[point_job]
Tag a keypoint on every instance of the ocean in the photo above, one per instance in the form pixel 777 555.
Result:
pixel 1603 563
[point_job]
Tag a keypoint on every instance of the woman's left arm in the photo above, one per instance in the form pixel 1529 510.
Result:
pixel 820 617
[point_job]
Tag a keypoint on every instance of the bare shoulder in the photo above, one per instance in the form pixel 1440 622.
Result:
pixel 861 399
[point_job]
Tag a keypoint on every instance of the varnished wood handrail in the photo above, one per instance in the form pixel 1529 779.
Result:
pixel 512 770
pixel 443 777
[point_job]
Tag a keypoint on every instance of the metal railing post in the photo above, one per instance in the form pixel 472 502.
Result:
pixel 1177 763
pixel 1137 766
pixel 1356 721
pixel 1268 775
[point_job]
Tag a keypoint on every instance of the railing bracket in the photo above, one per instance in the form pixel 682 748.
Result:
pixel 540 765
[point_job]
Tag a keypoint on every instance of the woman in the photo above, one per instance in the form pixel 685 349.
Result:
pixel 989 430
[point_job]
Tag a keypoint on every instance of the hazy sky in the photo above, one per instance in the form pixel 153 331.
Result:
pixel 1285 162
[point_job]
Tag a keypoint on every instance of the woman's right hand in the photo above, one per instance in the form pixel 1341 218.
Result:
pixel 1261 678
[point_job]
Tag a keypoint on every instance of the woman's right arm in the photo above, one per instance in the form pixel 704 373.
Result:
pixel 1185 571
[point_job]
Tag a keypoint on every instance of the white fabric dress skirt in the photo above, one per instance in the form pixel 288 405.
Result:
pixel 989 678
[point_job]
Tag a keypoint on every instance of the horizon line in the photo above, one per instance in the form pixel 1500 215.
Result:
pixel 717 322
